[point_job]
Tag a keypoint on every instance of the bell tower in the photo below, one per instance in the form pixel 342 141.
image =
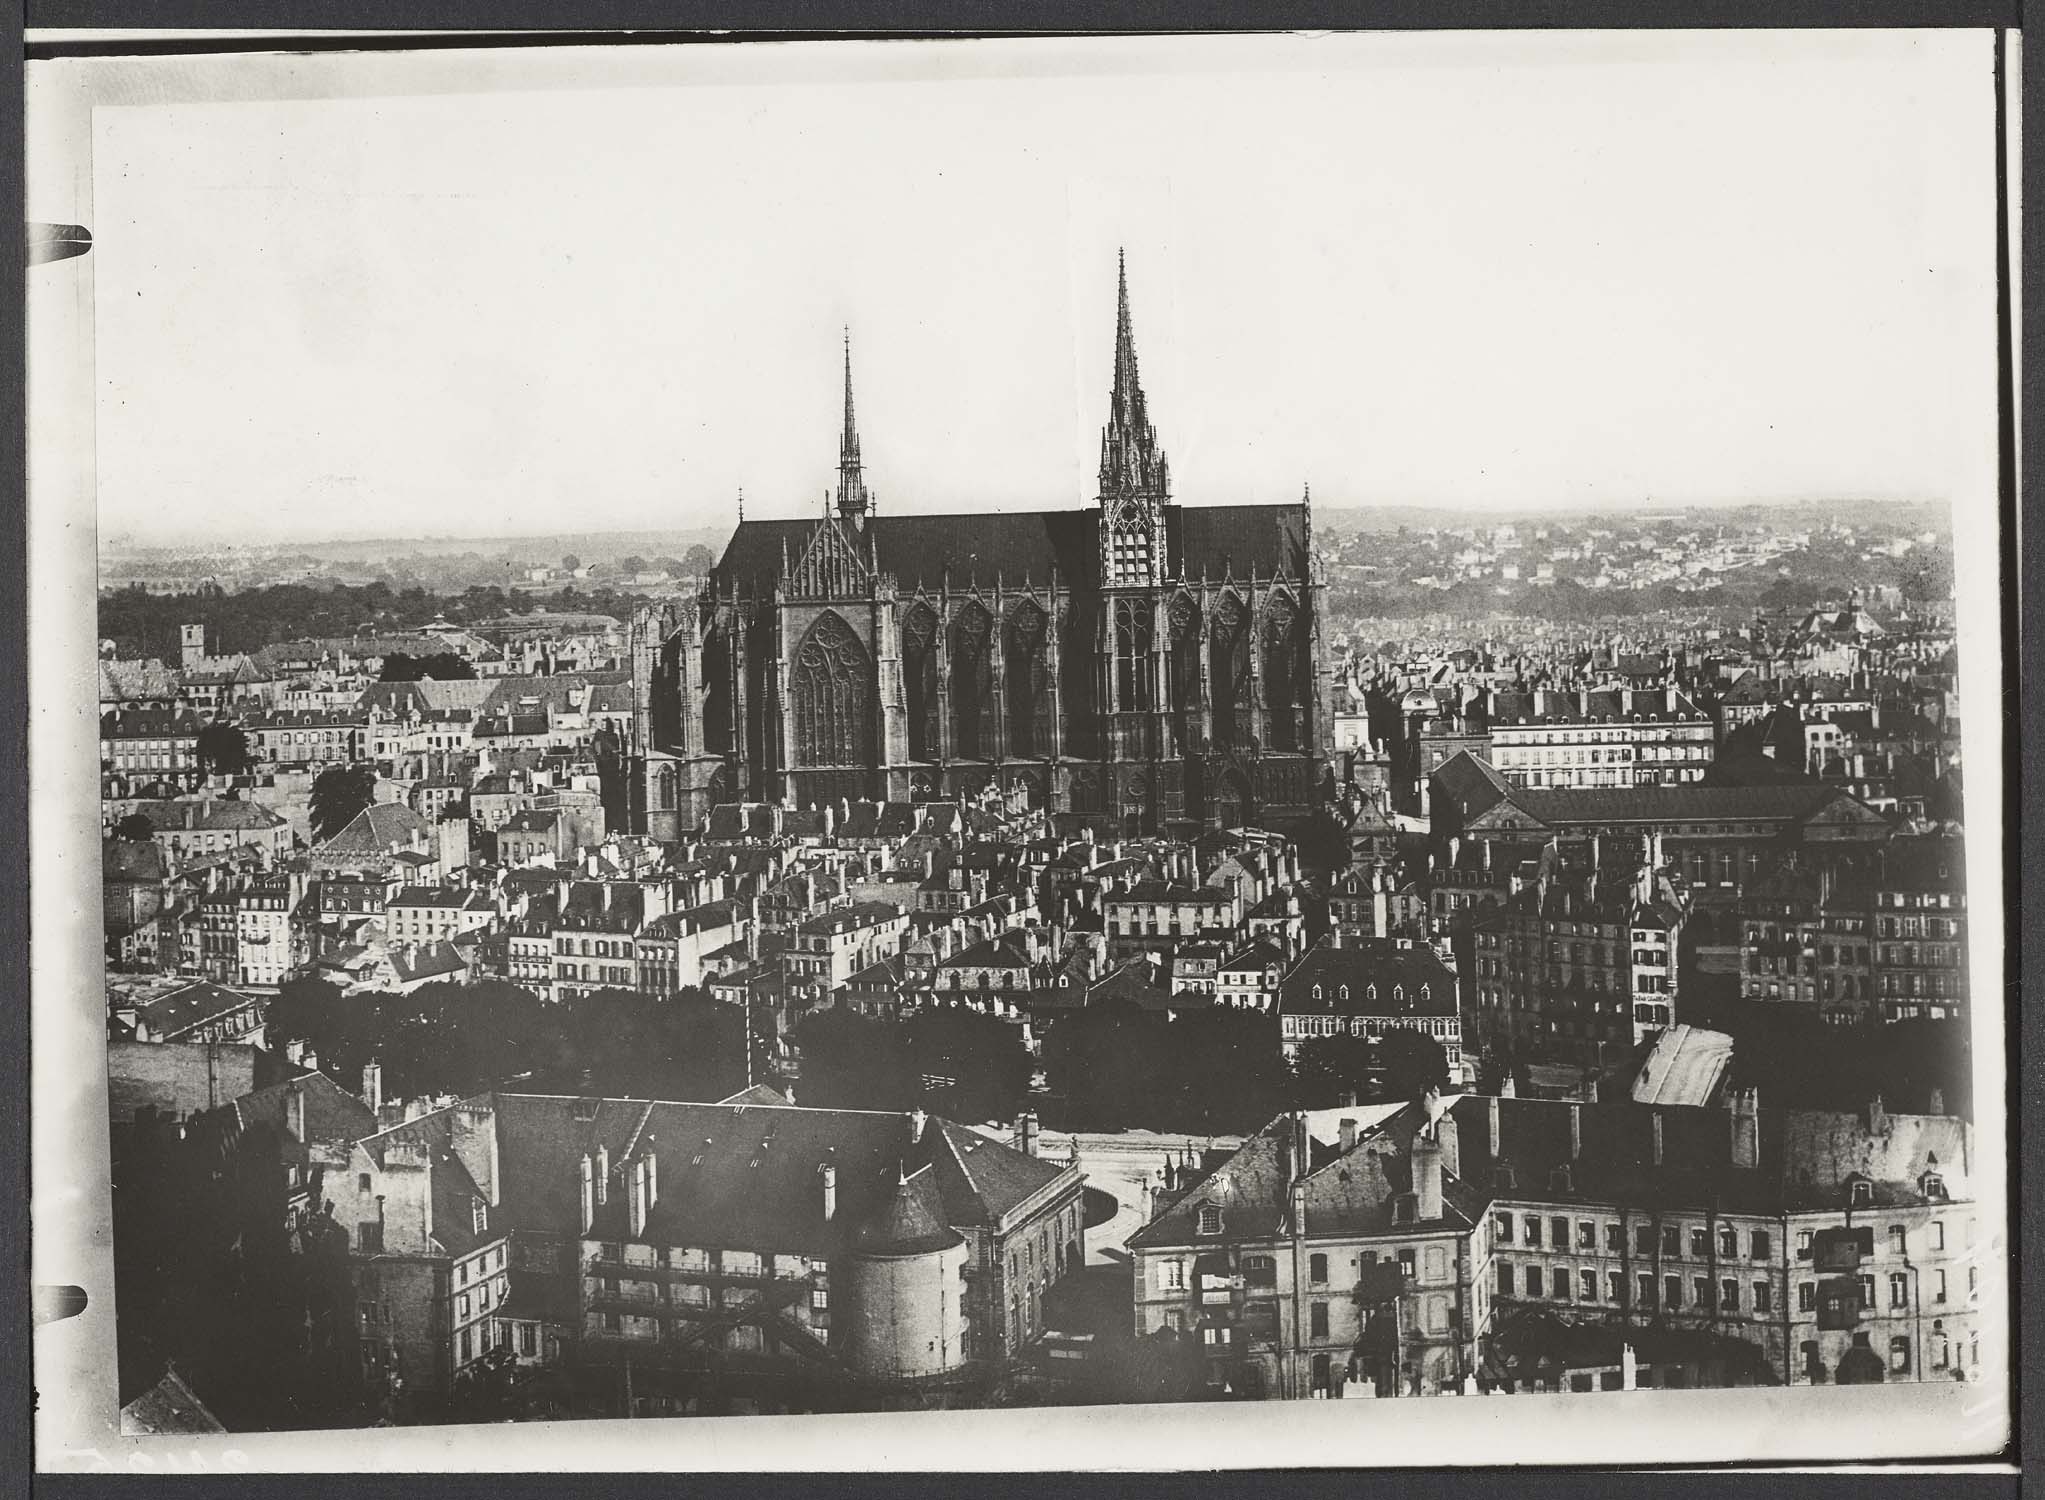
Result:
pixel 1135 479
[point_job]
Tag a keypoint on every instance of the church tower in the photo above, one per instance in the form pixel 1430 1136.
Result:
pixel 1135 480
pixel 853 500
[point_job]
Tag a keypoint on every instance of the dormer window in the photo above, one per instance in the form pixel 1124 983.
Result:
pixel 1861 1193
pixel 1933 1186
pixel 479 1215
pixel 1317 992
pixel 1210 1218
pixel 1345 992
pixel 1405 1208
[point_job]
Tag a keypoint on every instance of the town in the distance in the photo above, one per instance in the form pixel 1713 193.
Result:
pixel 870 960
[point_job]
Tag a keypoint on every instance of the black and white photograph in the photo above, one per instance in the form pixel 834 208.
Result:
pixel 1083 750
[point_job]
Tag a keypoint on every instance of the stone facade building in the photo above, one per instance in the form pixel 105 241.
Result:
pixel 1136 664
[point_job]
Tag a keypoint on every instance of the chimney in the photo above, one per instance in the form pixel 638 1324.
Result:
pixel 1348 1135
pixel 1028 1124
pixel 1448 1135
pixel 588 1193
pixel 917 1120
pixel 1590 1088
pixel 830 1192
pixel 1427 1178
pixel 1745 1106
pixel 652 1178
pixel 1655 1124
pixel 603 1174
pixel 1938 1103
pixel 1575 1132
pixel 372 1086
pixel 1497 1137
pixel 1877 1117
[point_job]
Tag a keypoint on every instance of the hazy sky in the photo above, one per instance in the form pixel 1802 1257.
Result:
pixel 606 290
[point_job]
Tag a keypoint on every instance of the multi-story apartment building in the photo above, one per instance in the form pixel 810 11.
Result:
pixel 828 949
pixel 869 1250
pixel 1702 1236
pixel 1609 737
pixel 436 913
pixel 1554 1245
pixel 191 829
pixel 674 951
pixel 1579 965
pixel 1806 937
pixel 1152 913
pixel 1920 928
pixel 305 737
pixel 267 948
pixel 1370 987
pixel 1249 978
pixel 153 741
pixel 1316 1258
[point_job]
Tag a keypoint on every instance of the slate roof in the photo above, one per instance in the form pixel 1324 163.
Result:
pixel 1665 804
pixel 136 681
pixel 922 551
pixel 214 815
pixel 1370 970
pixel 377 829
pixel 331 1112
pixel 747 1176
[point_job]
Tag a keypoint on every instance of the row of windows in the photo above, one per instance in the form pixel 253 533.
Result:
pixel 1562 1233
pixel 1556 1283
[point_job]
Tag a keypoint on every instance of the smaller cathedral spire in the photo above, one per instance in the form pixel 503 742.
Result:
pixel 852 496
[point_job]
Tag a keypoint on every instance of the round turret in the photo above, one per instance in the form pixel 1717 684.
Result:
pixel 896 1303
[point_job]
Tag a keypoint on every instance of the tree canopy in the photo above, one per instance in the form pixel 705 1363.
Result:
pixel 222 749
pixel 339 793
pixel 134 829
pixel 437 666
pixel 462 1039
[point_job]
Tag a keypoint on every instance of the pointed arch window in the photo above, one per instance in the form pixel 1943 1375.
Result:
pixel 919 679
pixel 833 694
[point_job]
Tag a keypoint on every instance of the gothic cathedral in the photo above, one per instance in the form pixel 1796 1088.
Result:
pixel 1138 666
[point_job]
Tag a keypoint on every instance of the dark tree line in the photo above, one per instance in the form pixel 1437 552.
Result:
pixel 437 666
pixel 956 1063
pixel 464 1039
pixel 1116 1066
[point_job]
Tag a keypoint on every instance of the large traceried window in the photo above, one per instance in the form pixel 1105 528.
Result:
pixel 972 691
pixel 919 678
pixel 833 697
pixel 1027 680
pixel 1282 674
pixel 1229 671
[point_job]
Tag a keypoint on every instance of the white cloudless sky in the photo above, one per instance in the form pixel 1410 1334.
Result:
pixel 462 293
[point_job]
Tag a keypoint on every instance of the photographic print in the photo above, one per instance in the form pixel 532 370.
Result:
pixel 1196 730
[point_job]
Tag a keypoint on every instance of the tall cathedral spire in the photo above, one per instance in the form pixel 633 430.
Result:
pixel 1130 458
pixel 853 499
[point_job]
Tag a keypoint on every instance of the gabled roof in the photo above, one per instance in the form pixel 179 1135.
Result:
pixel 378 829
pixel 750 1176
